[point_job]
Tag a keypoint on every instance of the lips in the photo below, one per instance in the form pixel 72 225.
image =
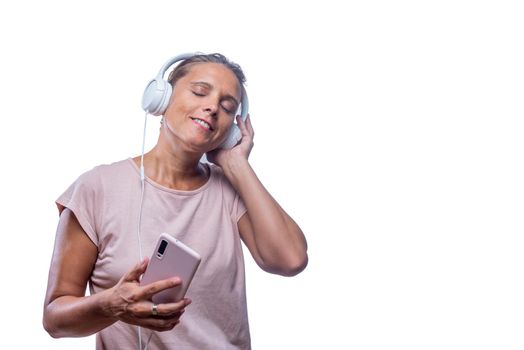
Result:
pixel 203 123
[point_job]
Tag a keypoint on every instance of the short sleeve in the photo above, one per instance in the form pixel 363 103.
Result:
pixel 239 208
pixel 234 203
pixel 81 199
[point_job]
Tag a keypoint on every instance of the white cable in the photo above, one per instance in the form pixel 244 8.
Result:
pixel 142 175
pixel 148 340
pixel 140 249
pixel 142 181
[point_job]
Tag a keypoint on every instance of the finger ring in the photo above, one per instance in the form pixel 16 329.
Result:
pixel 154 309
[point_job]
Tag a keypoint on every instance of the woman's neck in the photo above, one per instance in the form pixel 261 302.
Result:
pixel 176 171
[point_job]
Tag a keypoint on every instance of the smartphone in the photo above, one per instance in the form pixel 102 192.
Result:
pixel 171 258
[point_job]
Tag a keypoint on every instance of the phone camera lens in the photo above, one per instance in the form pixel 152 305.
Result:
pixel 162 248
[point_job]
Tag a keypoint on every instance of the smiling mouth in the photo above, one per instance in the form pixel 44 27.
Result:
pixel 203 123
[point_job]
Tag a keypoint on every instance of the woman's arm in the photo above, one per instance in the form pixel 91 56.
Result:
pixel 273 238
pixel 69 313
pixel 271 235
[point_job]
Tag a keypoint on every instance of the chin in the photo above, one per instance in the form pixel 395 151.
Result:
pixel 203 145
pixel 200 147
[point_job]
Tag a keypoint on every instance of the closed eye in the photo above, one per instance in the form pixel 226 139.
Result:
pixel 227 109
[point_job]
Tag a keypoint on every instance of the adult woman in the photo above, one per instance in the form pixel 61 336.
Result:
pixel 208 207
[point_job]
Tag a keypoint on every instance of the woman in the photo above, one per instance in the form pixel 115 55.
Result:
pixel 209 207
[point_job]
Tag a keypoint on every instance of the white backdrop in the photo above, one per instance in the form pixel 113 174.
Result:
pixel 392 131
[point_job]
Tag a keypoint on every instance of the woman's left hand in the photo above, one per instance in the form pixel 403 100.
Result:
pixel 225 157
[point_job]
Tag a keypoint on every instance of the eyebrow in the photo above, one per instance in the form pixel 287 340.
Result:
pixel 209 86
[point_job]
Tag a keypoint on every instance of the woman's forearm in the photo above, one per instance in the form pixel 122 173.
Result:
pixel 70 316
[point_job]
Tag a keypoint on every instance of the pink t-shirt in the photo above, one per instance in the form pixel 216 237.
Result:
pixel 106 202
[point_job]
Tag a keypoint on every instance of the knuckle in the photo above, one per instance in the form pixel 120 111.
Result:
pixel 153 289
pixel 132 308
pixel 133 298
pixel 139 309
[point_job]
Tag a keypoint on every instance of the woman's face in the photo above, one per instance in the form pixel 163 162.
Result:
pixel 203 106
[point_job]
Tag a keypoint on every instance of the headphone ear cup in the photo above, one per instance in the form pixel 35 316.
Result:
pixel 156 96
pixel 233 137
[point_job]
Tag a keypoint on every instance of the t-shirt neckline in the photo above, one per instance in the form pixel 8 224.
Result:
pixel 171 190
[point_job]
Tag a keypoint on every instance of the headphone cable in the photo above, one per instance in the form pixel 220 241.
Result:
pixel 142 183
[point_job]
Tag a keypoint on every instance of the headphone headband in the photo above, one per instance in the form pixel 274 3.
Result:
pixel 174 60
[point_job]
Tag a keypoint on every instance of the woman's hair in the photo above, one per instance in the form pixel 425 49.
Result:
pixel 183 68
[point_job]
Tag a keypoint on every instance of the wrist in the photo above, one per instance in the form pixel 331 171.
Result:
pixel 235 167
pixel 104 306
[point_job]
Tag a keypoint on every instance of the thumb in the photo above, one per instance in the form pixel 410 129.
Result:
pixel 137 271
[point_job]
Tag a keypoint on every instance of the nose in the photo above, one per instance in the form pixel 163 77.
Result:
pixel 211 108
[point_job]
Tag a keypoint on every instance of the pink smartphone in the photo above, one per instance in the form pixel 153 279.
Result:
pixel 171 258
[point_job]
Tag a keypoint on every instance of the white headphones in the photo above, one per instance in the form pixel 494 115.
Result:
pixel 158 93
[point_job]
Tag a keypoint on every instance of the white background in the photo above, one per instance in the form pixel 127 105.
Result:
pixel 392 131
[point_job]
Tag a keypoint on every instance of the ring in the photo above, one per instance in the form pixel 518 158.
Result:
pixel 154 309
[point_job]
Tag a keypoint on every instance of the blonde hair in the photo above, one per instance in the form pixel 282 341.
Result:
pixel 183 68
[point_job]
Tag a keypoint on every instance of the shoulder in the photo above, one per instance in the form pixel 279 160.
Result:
pixel 104 176
pixel 98 182
pixel 109 171
pixel 115 168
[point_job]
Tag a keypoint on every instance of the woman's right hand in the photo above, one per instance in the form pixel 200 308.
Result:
pixel 129 302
